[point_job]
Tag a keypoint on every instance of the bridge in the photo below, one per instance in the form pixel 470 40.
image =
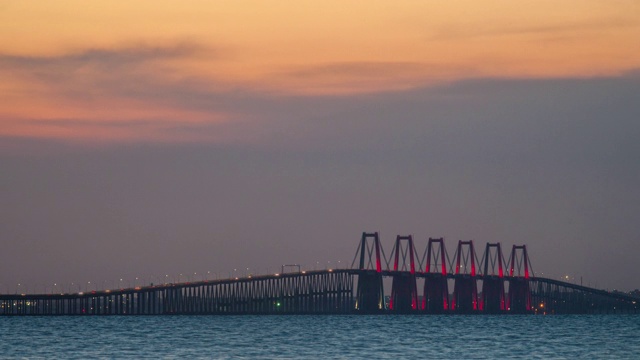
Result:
pixel 462 284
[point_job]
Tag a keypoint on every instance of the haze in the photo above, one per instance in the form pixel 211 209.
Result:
pixel 154 138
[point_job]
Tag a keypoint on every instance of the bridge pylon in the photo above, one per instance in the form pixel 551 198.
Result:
pixel 493 299
pixel 435 298
pixel 465 290
pixel 519 300
pixel 370 292
pixel 404 292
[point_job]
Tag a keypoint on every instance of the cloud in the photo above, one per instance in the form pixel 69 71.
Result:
pixel 354 77
pixel 99 71
pixel 557 30
pixel 92 88
pixel 77 96
pixel 357 68
pixel 110 58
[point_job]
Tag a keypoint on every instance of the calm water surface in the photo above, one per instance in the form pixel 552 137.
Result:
pixel 314 337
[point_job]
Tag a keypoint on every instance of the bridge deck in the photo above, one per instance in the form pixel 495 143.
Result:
pixel 307 292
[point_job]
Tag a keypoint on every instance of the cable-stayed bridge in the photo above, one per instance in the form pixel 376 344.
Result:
pixel 430 283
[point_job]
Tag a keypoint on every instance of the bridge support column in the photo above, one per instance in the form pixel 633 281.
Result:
pixel 519 296
pixel 404 294
pixel 370 292
pixel 493 298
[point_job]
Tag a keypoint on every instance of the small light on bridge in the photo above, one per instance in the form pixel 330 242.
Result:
pixel 277 274
pixel 541 305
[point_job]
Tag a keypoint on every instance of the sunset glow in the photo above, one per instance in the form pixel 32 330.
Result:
pixel 159 61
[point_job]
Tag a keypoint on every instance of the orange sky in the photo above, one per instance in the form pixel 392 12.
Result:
pixel 105 61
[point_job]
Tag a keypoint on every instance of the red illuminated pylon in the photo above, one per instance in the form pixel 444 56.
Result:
pixel 404 293
pixel 493 298
pixel 435 297
pixel 370 292
pixel 465 291
pixel 519 300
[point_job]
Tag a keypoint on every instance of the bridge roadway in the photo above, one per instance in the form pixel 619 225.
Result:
pixel 333 291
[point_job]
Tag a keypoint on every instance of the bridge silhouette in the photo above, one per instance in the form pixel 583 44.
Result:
pixel 492 285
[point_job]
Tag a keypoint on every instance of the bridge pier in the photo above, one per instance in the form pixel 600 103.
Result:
pixel 369 298
pixel 519 296
pixel 493 296
pixel 404 295
pixel 465 295
pixel 435 299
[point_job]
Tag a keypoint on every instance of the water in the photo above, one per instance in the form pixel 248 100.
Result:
pixel 314 337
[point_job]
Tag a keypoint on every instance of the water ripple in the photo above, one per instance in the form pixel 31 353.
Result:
pixel 312 337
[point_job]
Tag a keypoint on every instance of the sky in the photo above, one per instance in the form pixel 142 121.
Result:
pixel 151 139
